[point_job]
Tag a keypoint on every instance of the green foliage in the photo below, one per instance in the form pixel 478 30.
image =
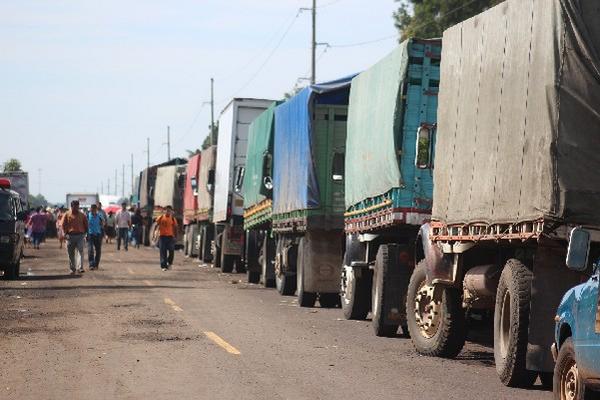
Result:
pixel 206 144
pixel 12 165
pixel 429 18
pixel 37 201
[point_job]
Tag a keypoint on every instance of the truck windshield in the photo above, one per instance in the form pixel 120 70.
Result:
pixel 6 211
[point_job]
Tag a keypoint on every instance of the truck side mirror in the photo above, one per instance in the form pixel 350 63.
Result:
pixel 424 146
pixel 337 167
pixel 210 182
pixel 239 179
pixel 579 249
pixel 268 182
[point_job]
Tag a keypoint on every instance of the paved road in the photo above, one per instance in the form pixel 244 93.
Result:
pixel 131 331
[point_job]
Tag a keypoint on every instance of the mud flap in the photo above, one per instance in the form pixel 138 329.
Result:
pixel 395 281
pixel 551 279
pixel 323 252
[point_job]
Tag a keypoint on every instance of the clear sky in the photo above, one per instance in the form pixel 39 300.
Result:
pixel 84 83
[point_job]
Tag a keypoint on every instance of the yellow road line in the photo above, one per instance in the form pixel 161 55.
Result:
pixel 173 305
pixel 148 283
pixel 222 343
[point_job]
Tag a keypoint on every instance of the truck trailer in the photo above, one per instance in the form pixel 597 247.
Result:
pixel 392 120
pixel 169 187
pixel 228 205
pixel 198 203
pixel 147 188
pixel 257 190
pixel 308 192
pixel 19 182
pixel 517 168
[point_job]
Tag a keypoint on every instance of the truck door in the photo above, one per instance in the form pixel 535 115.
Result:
pixel 587 336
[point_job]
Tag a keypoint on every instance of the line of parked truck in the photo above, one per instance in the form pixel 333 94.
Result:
pixel 454 178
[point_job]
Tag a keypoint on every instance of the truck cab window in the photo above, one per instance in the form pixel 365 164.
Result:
pixel 337 168
pixel 423 151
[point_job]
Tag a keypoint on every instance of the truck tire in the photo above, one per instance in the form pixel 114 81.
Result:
pixel 186 241
pixel 356 293
pixel 252 252
pixel 266 260
pixel 567 379
pixel 442 335
pixel 383 299
pixel 330 300
pixel 227 263
pixel 253 276
pixel 285 284
pixel 13 271
pixel 305 299
pixel 511 325
pixel 216 252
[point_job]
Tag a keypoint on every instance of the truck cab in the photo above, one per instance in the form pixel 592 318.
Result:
pixel 12 230
pixel 576 348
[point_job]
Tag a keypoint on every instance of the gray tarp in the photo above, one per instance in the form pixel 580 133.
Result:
pixel 518 122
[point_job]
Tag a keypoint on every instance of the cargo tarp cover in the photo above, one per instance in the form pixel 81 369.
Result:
pixel 519 115
pixel 260 141
pixel 295 184
pixel 166 186
pixel 190 202
pixel 374 117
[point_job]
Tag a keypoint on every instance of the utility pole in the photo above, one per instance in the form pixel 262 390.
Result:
pixel 168 143
pixel 148 150
pixel 116 190
pixel 313 75
pixel 123 182
pixel 132 183
pixel 212 111
pixel 108 186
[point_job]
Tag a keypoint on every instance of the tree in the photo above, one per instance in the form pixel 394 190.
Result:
pixel 12 165
pixel 429 18
pixel 206 144
pixel 37 201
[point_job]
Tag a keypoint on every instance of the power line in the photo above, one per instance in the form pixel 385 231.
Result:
pixel 329 4
pixel 381 39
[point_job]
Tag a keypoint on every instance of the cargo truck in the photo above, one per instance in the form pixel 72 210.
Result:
pixel 308 192
pixel 170 182
pixel 146 195
pixel 228 208
pixel 257 190
pixel 392 120
pixel 198 203
pixel 19 182
pixel 517 168
pixel 85 199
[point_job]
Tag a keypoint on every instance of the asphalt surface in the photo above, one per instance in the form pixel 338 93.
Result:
pixel 131 331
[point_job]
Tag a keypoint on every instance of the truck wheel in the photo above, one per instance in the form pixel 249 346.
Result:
pixel 186 239
pixel 329 300
pixel 305 299
pixel 382 296
pixel 267 267
pixel 568 384
pixel 227 263
pixel 356 293
pixel 435 318
pixel 285 284
pixel 511 325
pixel 253 277
pixel 12 272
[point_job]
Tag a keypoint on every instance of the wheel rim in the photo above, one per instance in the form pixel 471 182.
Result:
pixel 347 284
pixel 569 378
pixel 427 310
pixel 505 324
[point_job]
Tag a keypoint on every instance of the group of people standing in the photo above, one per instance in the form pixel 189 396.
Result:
pixel 76 226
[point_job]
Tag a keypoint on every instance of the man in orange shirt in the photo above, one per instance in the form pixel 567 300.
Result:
pixel 166 225
pixel 75 227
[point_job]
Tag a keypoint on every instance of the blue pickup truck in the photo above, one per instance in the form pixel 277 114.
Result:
pixel 576 349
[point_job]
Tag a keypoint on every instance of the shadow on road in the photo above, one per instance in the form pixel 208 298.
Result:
pixel 47 277
pixel 99 287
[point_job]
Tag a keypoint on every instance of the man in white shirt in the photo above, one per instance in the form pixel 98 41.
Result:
pixel 123 222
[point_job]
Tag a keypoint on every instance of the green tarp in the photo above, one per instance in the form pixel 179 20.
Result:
pixel 374 115
pixel 260 141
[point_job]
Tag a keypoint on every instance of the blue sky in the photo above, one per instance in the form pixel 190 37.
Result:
pixel 84 83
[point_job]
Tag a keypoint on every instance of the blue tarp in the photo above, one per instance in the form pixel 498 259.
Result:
pixel 294 178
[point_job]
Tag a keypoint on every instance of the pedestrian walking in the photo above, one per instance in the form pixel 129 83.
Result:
pixel 166 225
pixel 75 226
pixel 137 221
pixel 94 237
pixel 111 223
pixel 37 224
pixel 59 228
pixel 123 222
